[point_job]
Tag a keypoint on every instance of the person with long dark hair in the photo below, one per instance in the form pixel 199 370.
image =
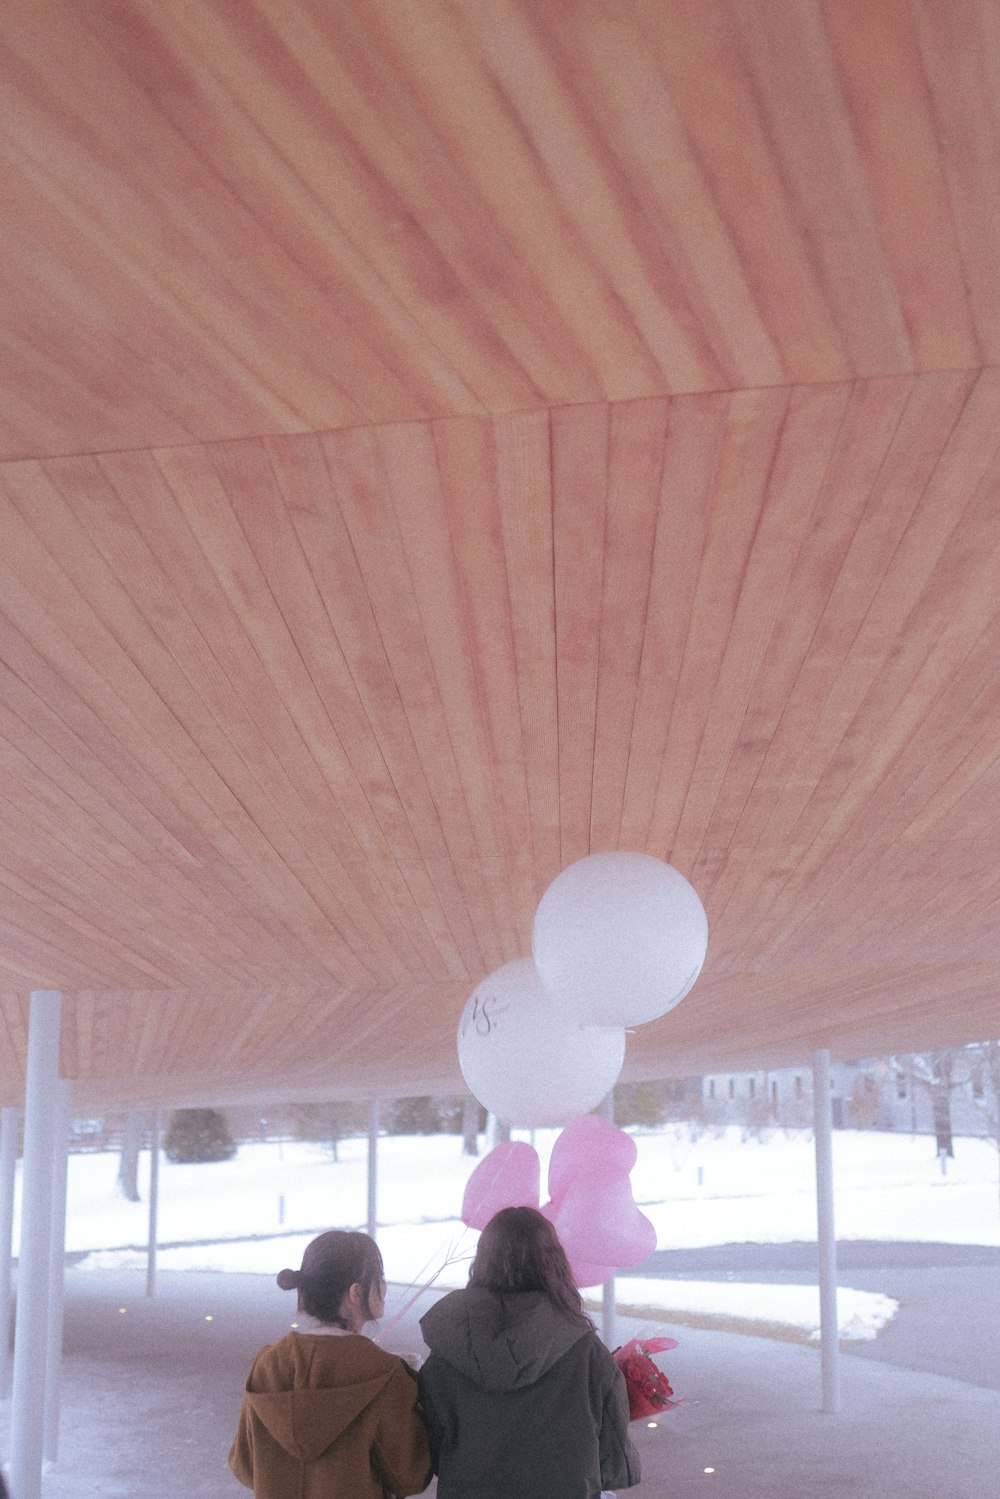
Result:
pixel 326 1413
pixel 522 1399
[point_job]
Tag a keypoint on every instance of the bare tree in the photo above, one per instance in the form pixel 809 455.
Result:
pixel 939 1073
pixel 470 1125
pixel 128 1161
pixel 986 1091
pixel 329 1122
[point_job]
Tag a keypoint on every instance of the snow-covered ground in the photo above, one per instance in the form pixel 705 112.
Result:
pixel 257 1212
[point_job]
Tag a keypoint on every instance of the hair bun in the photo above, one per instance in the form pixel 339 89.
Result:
pixel 289 1280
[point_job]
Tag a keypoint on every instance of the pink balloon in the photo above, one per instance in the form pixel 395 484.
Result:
pixel 598 1222
pixel 586 1144
pixel 590 1275
pixel 584 1274
pixel 509 1177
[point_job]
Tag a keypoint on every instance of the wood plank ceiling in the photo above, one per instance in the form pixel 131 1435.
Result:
pixel 441 438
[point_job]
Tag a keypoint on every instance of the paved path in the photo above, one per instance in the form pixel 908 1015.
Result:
pixel 949 1295
pixel 746 1261
pixel 150 1397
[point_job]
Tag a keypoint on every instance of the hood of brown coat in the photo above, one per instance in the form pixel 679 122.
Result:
pixel 307 1389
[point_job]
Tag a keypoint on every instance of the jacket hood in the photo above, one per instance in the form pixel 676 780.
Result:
pixel 306 1421
pixel 500 1341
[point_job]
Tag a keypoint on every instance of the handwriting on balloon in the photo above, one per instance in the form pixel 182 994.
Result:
pixel 484 1014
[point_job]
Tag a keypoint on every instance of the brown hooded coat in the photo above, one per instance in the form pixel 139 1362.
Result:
pixel 330 1418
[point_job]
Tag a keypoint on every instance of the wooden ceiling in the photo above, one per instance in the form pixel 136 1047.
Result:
pixel 441 438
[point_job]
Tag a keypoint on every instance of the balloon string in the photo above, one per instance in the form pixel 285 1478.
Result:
pixel 452 1256
pixel 418 1287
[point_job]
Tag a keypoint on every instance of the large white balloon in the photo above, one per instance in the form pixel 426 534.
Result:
pixel 525 1062
pixel 618 939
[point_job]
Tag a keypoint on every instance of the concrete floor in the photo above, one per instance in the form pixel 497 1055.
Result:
pixel 150 1395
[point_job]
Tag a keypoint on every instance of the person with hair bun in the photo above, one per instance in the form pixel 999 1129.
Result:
pixel 326 1413
pixel 522 1399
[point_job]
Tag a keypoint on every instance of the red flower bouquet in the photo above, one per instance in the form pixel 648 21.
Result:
pixel 648 1387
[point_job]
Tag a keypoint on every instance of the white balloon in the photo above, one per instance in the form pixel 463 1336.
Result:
pixel 618 939
pixel 525 1062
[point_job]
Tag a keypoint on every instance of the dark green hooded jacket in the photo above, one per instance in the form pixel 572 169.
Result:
pixel 522 1401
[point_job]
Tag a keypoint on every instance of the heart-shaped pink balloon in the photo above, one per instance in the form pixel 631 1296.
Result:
pixel 599 1224
pixel 509 1177
pixel 584 1274
pixel 583 1145
pixel 590 1275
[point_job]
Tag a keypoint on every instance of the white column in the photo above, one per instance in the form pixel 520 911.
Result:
pixel 373 1113
pixel 30 1341
pixel 57 1267
pixel 10 1120
pixel 154 1203
pixel 609 1291
pixel 825 1235
pixel 609 1313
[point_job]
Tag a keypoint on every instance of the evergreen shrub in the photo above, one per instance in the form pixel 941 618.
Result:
pixel 199 1135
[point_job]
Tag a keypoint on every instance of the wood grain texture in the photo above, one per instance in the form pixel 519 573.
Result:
pixel 438 441
pixel 223 220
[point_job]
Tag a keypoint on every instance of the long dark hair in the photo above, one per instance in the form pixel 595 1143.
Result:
pixel 331 1265
pixel 519 1250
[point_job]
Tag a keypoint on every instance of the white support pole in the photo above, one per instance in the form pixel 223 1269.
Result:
pixel 609 1291
pixel 10 1120
pixel 44 1018
pixel 154 1203
pixel 373 1122
pixel 609 1313
pixel 825 1235
pixel 57 1267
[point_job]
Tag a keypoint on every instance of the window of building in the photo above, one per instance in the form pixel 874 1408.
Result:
pixel 799 1090
pixel 711 1087
pixel 732 1087
pixel 901 1087
pixel 753 1086
pixel 774 1091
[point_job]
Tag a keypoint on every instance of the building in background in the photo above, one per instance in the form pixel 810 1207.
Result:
pixel 953 1091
